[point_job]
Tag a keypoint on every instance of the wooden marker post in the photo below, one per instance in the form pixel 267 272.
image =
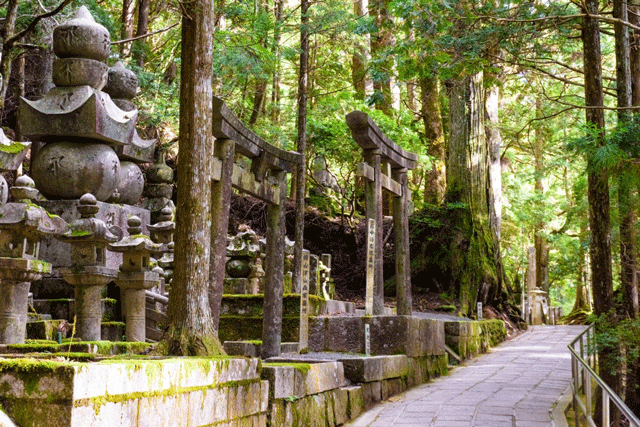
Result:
pixel 371 265
pixel 303 343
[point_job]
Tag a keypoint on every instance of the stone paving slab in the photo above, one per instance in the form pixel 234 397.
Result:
pixel 517 384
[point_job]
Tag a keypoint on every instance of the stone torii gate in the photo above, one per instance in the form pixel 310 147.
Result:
pixel 265 177
pixel 385 167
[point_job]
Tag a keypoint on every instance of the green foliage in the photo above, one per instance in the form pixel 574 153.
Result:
pixel 611 336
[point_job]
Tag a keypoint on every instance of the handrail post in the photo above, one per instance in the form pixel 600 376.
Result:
pixel 587 392
pixel 583 374
pixel 605 408
pixel 574 373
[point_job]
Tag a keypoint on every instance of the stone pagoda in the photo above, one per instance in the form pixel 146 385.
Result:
pixel 88 124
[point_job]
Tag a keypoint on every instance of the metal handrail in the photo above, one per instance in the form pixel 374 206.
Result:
pixel 583 372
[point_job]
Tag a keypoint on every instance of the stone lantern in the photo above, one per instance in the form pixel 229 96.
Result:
pixel 135 276
pixel 162 233
pixel 88 273
pixel 22 224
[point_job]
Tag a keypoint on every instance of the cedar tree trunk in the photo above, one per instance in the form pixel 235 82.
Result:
pixel 192 330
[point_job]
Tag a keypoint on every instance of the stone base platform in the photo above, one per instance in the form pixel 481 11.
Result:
pixel 408 335
pixel 164 392
pixel 313 389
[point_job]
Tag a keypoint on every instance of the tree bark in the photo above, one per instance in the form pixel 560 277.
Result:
pixel 539 237
pixel 142 29
pixel 127 18
pixel 598 187
pixel 6 55
pixel 475 272
pixel 300 178
pixel 435 183
pixel 277 35
pixel 626 200
pixel 192 330
pixel 380 41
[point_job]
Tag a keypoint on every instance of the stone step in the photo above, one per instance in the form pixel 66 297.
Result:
pixel 252 348
pixel 289 379
pixel 47 330
pixel 153 334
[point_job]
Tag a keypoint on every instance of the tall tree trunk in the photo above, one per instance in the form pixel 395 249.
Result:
pixel 300 186
pixel 628 73
pixel 360 55
pixel 277 35
pixel 598 187
pixel 582 292
pixel 539 236
pixel 192 329
pixel 127 18
pixel 143 28
pixel 6 55
pixel 381 40
pixel 626 201
pixel 435 183
pixel 473 251
pixel 494 141
pixel 259 96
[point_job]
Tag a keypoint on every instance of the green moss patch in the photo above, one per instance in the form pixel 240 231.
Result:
pixel 13 148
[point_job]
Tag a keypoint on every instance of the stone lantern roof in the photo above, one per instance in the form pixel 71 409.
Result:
pixel 25 218
pixel 135 241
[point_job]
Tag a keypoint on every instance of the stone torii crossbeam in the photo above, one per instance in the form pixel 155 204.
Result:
pixel 379 150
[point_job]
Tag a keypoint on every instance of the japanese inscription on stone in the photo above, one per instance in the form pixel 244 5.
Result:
pixel 304 301
pixel 371 253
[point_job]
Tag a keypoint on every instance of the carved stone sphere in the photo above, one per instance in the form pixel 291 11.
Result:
pixel 130 184
pixel 122 83
pixel 67 170
pixel 79 72
pixel 82 37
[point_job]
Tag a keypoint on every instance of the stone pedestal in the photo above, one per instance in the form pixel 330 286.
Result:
pixel 537 298
pixel 13 311
pixel 88 282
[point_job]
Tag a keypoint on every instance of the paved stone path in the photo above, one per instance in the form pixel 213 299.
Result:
pixel 517 384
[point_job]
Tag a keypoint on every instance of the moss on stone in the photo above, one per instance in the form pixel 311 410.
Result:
pixel 13 148
pixel 302 367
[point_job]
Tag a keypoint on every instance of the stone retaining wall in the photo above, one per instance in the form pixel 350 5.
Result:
pixel 469 338
pixel 169 392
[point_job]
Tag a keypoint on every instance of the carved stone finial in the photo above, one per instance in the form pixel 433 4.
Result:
pixel 88 206
pixel 134 225
pixel 24 189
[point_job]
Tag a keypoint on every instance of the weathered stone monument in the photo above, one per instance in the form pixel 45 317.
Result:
pixel 91 144
pixel 89 238
pixel 385 167
pixel 22 224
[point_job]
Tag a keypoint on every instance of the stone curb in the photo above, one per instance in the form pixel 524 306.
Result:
pixel 559 411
